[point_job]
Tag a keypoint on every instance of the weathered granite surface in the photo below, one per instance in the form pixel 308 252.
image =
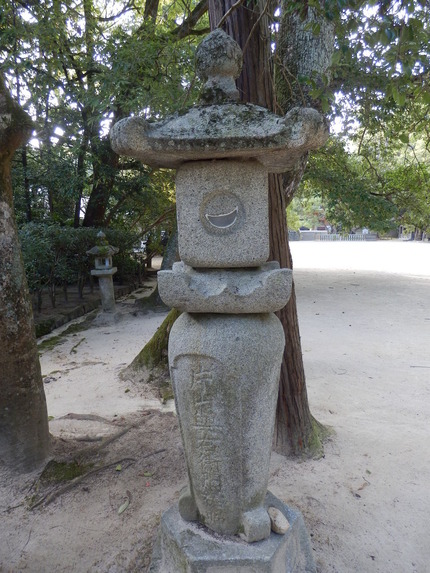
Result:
pixel 107 292
pixel 219 61
pixel 233 130
pixel 236 291
pixel 184 547
pixel 224 371
pixel 222 211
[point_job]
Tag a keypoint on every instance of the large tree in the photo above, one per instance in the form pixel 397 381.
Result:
pixel 377 53
pixel 24 434
pixel 303 54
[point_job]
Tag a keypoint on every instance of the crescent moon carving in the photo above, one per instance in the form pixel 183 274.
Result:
pixel 224 220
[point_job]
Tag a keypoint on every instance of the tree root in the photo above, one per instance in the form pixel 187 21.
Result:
pixel 52 496
pixel 91 450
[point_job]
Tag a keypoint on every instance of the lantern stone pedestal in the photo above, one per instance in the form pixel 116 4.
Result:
pixel 107 293
pixel 225 351
pixel 188 547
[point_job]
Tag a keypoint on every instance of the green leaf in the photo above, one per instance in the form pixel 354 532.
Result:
pixel 123 507
pixel 399 97
pixel 404 137
pixel 325 104
pixel 426 97
pixel 118 468
pixel 336 57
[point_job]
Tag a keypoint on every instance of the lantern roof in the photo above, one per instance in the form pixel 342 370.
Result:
pixel 221 127
pixel 102 248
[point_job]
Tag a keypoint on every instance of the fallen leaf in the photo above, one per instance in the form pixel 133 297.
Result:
pixel 363 485
pixel 124 506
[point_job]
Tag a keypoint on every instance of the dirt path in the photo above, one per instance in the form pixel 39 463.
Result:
pixel 364 313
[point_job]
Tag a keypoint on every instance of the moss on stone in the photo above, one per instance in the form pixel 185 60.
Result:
pixel 50 343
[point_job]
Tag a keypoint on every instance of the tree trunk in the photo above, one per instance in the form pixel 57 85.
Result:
pixel 295 433
pixel 295 430
pixel 151 10
pixel 24 434
pixel 300 53
pixel 27 191
pixel 105 164
pixel 80 173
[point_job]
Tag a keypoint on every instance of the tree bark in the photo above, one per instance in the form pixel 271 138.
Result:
pixel 151 10
pixel 105 164
pixel 24 433
pixel 27 191
pixel 295 432
pixel 300 53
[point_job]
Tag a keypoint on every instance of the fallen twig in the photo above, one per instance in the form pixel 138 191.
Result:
pixel 12 507
pixel 107 441
pixel 153 453
pixel 73 350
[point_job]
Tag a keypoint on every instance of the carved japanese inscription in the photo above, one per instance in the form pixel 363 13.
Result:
pixel 201 386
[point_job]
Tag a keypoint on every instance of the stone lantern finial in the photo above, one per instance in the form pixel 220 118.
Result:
pixel 219 61
pixel 101 239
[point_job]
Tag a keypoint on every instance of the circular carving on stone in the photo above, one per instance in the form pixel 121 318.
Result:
pixel 222 213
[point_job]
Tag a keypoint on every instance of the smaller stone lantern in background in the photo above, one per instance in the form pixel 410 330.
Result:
pixel 104 270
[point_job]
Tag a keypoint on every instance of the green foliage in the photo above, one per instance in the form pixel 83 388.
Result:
pixel 381 63
pixel 55 255
pixel 78 68
pixel 293 219
pixel 376 186
pixel 305 210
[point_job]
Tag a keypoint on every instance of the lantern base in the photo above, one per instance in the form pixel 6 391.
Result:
pixel 184 547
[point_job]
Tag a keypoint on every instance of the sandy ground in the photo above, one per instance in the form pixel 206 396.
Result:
pixel 364 313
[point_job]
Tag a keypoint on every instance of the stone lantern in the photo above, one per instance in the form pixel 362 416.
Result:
pixel 104 270
pixel 225 350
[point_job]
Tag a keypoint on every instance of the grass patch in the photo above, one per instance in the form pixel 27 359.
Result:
pixel 50 343
pixel 72 329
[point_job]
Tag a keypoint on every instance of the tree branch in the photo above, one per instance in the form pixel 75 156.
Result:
pixel 186 28
pixel 129 6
